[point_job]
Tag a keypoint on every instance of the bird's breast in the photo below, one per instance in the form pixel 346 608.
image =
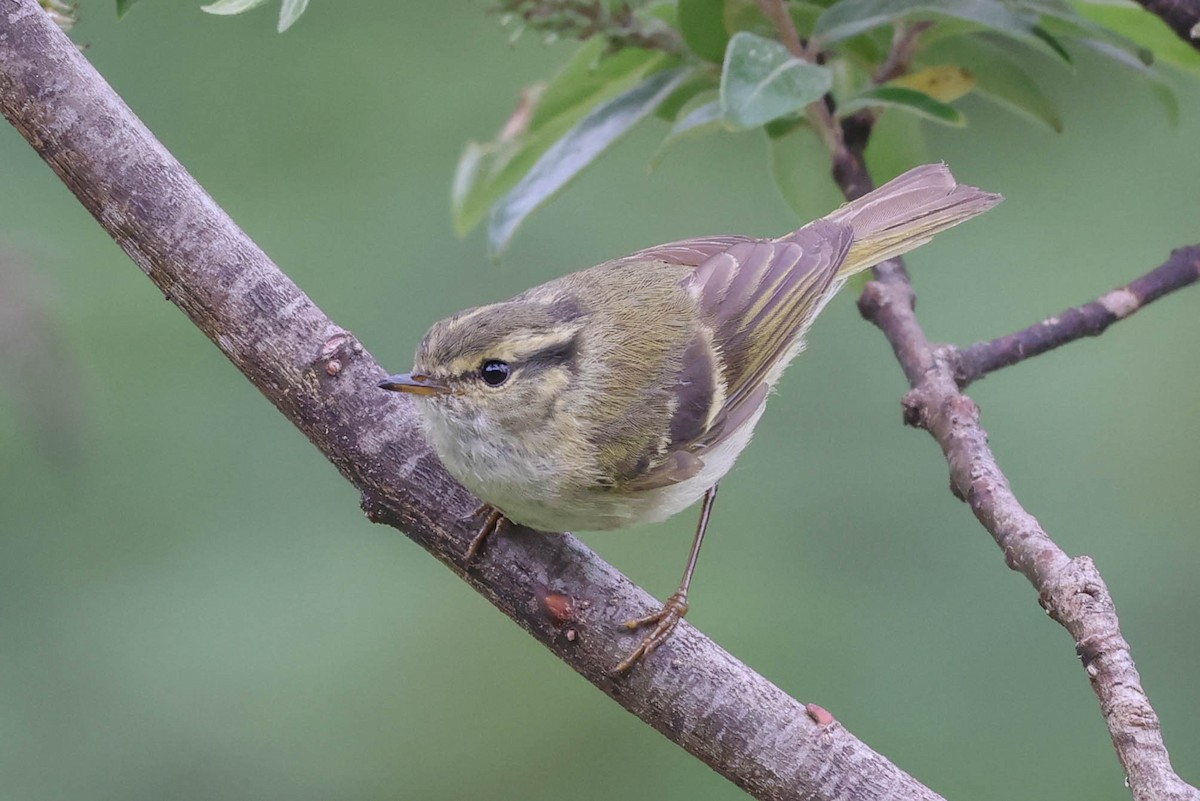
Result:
pixel 539 482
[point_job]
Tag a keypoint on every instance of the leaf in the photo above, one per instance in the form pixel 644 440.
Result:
pixel 1158 84
pixel 800 169
pixel 231 6
pixel 594 134
pixel 1059 17
pixel 123 7
pixel 761 81
pixel 746 15
pixel 946 83
pixel 897 144
pixel 488 170
pixel 805 16
pixel 909 100
pixel 1147 30
pixel 1051 43
pixel 289 12
pixel 848 18
pixel 699 82
pixel 703 27
pixel 998 79
pixel 702 119
pixel 590 75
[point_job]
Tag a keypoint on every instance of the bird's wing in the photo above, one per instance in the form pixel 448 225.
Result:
pixel 757 298
pixel 687 252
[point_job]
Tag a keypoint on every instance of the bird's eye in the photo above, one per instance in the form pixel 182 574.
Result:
pixel 494 372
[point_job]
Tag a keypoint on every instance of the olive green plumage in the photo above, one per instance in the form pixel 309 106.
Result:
pixel 623 393
pixel 631 387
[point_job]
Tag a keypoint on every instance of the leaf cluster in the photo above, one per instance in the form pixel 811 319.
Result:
pixel 733 73
pixel 730 66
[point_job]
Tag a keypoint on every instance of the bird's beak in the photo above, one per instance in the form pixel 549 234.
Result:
pixel 413 383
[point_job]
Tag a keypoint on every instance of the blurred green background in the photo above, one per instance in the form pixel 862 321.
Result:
pixel 193 607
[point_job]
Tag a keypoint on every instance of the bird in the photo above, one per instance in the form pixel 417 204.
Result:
pixel 623 393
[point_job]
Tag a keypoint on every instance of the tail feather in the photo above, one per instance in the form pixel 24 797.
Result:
pixel 905 213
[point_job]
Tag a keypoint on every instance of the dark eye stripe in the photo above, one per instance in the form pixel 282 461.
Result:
pixel 556 354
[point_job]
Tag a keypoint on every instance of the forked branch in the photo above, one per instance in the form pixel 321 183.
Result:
pixel 1070 589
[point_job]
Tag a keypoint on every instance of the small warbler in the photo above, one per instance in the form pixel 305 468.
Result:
pixel 623 393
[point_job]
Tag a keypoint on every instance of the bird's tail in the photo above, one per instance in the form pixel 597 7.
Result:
pixel 905 213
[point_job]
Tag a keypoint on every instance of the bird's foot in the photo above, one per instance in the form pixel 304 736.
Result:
pixel 494 522
pixel 664 622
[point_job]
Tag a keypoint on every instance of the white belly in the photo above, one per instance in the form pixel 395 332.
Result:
pixel 530 486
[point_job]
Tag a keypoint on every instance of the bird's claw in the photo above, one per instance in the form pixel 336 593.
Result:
pixel 494 523
pixel 664 621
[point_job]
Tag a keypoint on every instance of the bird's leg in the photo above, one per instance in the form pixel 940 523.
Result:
pixel 666 619
pixel 494 523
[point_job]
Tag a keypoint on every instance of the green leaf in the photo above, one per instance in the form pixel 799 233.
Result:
pixel 1147 30
pixel 486 171
pixel 1052 44
pixel 704 118
pixel 1060 18
pixel 231 6
pixel 909 100
pixel 1158 84
pixel 703 27
pixel 746 15
pixel 289 12
pixel 702 80
pixel 123 7
pixel 761 81
pixel 800 169
pixel 590 76
pixel 998 79
pixel 805 15
pixel 847 18
pixel 897 144
pixel 594 134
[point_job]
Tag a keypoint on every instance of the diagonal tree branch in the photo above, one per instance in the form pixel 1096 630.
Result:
pixel 324 381
pixel 1089 320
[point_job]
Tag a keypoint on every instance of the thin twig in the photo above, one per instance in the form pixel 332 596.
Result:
pixel 821 113
pixel 776 11
pixel 1070 589
pixel 324 381
pixel 906 36
pixel 1089 320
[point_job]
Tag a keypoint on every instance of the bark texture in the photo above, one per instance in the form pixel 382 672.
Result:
pixel 324 381
pixel 1071 590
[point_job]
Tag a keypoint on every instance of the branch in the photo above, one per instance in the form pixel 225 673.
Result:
pixel 777 12
pixel 1070 589
pixel 1089 320
pixel 324 381
pixel 905 38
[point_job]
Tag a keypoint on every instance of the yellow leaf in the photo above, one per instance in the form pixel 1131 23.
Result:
pixel 946 83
